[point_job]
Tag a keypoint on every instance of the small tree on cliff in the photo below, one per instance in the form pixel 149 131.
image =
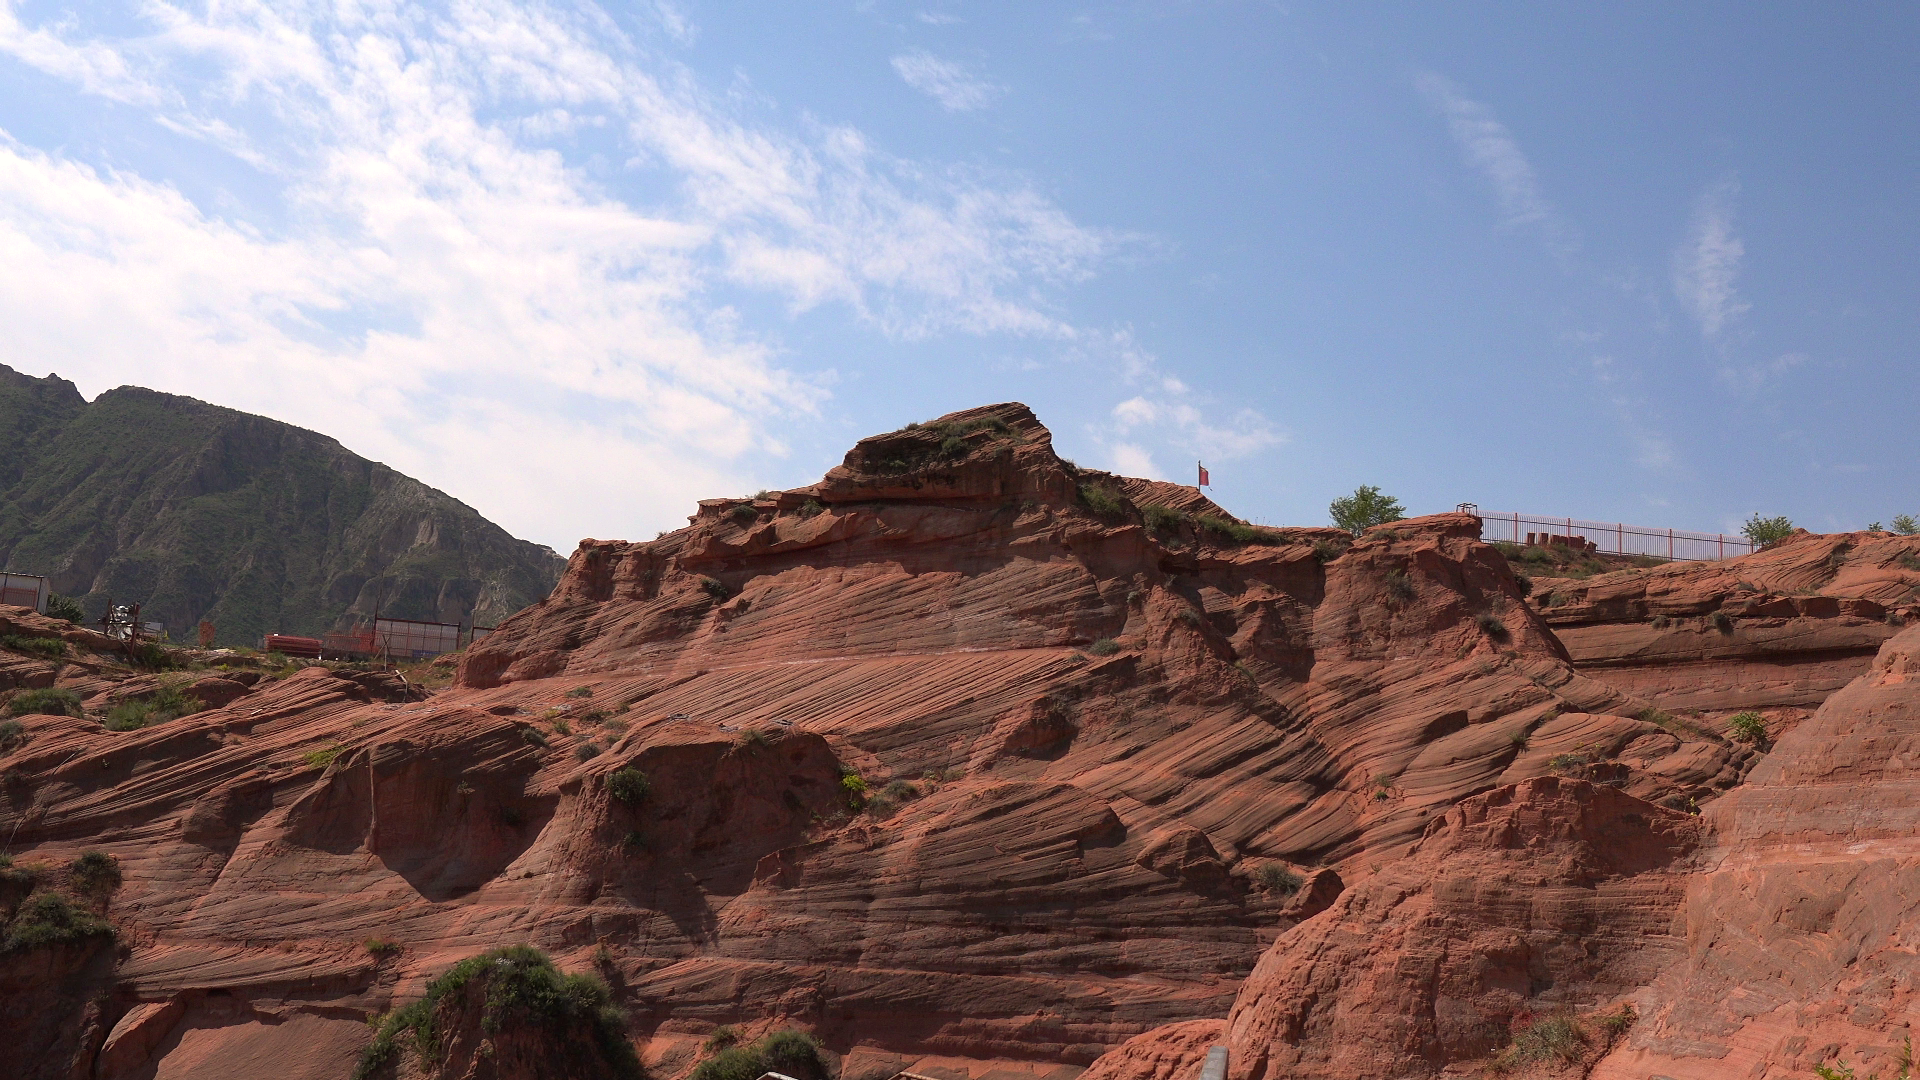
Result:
pixel 1365 507
pixel 1766 532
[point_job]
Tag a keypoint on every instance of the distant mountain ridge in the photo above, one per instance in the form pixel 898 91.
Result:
pixel 201 512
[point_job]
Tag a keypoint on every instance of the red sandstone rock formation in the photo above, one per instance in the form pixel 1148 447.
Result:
pixel 1084 738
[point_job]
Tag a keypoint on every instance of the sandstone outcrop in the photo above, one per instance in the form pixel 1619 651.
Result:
pixel 963 754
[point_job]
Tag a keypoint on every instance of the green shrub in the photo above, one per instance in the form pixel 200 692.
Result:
pixel 46 647
pixel 1191 617
pixel 1561 762
pixel 561 727
pixel 1904 524
pixel 1616 1023
pixel 715 588
pixel 629 785
pixel 1491 625
pixel 380 946
pixel 1766 532
pixel 534 736
pixel 1748 727
pixel 1721 621
pixel 902 791
pixel 522 987
pixel 166 703
pixel 810 508
pixel 580 691
pixel 1555 1038
pixel 1160 518
pixel 1520 739
pixel 1102 500
pixel 66 607
pixel 1525 583
pixel 1326 551
pixel 94 873
pixel 722 1037
pixel 744 514
pixel 793 1053
pixel 586 751
pixel 48 918
pixel 855 786
pixel 1660 622
pixel 1400 587
pixel 752 739
pixel 1106 646
pixel 1365 508
pixel 46 701
pixel 12 734
pixel 733 1063
pixel 1275 878
pixel 155 657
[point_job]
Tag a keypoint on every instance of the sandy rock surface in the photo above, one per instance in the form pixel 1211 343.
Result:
pixel 1094 758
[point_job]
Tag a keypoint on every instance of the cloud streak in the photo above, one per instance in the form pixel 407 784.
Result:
pixel 1490 148
pixel 945 81
pixel 1707 264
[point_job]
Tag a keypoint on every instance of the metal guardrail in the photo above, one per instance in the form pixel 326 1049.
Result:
pixel 1613 537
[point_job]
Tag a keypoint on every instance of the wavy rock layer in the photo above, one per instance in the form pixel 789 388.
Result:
pixel 1089 738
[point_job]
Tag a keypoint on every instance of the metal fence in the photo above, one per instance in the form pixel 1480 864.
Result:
pixel 24 590
pixel 1612 537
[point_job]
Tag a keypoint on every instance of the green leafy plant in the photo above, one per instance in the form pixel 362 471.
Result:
pixel 855 786
pixel 1721 621
pixel 715 588
pixel 1659 622
pixel 522 987
pixel 12 734
pixel 629 785
pixel 1519 739
pixel 1275 878
pixel 1106 646
pixel 580 691
pixel 1102 500
pixel 1326 551
pixel 1400 587
pixel 94 873
pixel 561 727
pixel 534 736
pixel 49 918
pixel 1160 518
pixel 1766 532
pixel 380 946
pixel 789 1052
pixel 66 607
pixel 1525 583
pixel 722 1037
pixel 1491 625
pixel 810 508
pixel 1616 1023
pixel 44 647
pixel 586 751
pixel 752 739
pixel 1564 762
pixel 45 701
pixel 1904 524
pixel 1748 727
pixel 163 704
pixel 1365 508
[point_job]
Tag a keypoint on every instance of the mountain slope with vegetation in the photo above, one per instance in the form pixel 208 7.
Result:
pixel 200 512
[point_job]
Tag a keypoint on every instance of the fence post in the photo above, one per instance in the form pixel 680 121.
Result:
pixel 1669 545
pixel 1723 544
pixel 1619 539
pixel 1516 526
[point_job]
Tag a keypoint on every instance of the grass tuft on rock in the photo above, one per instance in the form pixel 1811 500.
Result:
pixel 792 1053
pixel 46 701
pixel 49 918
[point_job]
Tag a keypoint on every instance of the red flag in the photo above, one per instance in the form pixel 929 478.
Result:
pixel 1204 480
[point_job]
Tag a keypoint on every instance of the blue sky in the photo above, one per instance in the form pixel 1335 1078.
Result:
pixel 581 266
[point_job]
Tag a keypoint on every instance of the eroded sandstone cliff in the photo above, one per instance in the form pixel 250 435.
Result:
pixel 962 756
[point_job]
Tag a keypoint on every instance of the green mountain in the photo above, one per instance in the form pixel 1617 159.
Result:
pixel 200 512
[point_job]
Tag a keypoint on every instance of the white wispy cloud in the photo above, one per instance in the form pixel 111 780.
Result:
pixel 1166 413
pixel 1705 266
pixel 1491 148
pixel 445 283
pixel 945 81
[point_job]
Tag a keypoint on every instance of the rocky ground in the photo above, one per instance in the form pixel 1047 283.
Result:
pixel 970 762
